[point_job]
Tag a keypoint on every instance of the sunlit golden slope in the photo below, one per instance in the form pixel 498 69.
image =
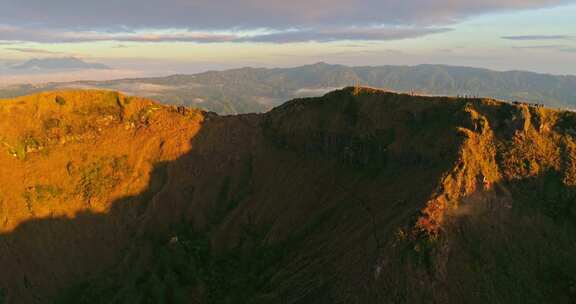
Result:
pixel 66 152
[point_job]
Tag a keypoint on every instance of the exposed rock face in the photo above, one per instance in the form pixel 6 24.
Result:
pixel 360 196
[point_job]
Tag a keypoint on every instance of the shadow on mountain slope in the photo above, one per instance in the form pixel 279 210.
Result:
pixel 314 202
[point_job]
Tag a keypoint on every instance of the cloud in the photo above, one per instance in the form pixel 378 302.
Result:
pixel 288 36
pixel 565 40
pixel 226 14
pixel 12 33
pixel 552 47
pixel 208 21
pixel 31 50
pixel 538 37
pixel 337 34
pixel 539 47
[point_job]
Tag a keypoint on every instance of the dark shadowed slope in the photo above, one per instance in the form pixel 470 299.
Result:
pixel 361 196
pixel 257 90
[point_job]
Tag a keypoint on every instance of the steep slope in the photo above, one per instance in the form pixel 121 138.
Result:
pixel 66 157
pixel 360 196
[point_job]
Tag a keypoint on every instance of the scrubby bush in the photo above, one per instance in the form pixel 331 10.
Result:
pixel 60 100
pixel 18 151
pixel 40 194
pixel 51 123
pixel 102 176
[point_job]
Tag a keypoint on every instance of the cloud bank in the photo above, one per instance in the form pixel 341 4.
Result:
pixel 208 21
pixel 538 37
pixel 31 51
pixel 287 36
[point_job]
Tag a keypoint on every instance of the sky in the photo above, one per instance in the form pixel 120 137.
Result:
pixel 160 37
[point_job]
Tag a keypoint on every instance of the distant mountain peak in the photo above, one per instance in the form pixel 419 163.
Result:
pixel 63 63
pixel 320 64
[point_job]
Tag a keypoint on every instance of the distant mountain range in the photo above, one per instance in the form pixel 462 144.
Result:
pixel 58 64
pixel 258 89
